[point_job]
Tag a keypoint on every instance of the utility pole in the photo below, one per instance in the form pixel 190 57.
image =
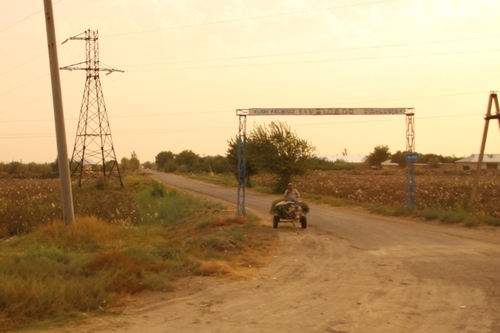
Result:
pixel 93 136
pixel 492 100
pixel 62 153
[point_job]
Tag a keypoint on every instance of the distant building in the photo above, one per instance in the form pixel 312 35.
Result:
pixel 346 158
pixel 88 164
pixel 389 165
pixel 490 162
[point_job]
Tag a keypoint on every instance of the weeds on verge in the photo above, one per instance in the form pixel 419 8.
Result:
pixel 57 271
pixel 442 214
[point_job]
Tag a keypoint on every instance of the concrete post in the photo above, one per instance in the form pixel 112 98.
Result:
pixel 62 153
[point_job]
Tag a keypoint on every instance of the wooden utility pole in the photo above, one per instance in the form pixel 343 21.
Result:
pixel 493 99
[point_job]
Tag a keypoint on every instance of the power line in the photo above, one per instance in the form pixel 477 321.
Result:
pixel 36 100
pixel 384 120
pixel 24 19
pixel 130 116
pixel 295 53
pixel 25 62
pixel 282 54
pixel 22 64
pixel 317 61
pixel 24 84
pixel 228 111
pixel 280 63
pixel 27 103
pixel 286 54
pixel 416 98
pixel 202 24
pixel 314 52
pixel 248 18
pixel 125 132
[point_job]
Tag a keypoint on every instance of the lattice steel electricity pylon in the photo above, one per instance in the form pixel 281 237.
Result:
pixel 93 154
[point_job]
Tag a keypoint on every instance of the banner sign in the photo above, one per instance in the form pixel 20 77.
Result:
pixel 325 111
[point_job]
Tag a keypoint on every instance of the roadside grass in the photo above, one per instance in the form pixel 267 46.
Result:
pixel 379 202
pixel 56 273
pixel 228 180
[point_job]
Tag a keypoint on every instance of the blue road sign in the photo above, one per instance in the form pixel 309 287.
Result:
pixel 412 157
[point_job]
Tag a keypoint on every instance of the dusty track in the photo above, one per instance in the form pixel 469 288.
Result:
pixel 348 272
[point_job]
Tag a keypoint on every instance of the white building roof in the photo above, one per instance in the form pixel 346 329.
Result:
pixel 487 158
pixel 87 161
pixel 347 158
pixel 389 163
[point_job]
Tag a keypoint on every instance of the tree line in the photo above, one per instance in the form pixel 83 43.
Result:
pixel 274 148
pixel 381 153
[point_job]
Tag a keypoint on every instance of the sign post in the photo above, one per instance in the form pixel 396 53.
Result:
pixel 412 157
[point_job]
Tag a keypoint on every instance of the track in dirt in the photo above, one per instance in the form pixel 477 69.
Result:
pixel 348 272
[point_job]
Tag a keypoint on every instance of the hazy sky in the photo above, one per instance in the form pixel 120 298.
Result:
pixel 189 64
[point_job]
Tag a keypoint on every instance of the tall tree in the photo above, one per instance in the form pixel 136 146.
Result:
pixel 399 157
pixel 165 161
pixel 189 161
pixel 187 157
pixel 124 164
pixel 232 158
pixel 134 163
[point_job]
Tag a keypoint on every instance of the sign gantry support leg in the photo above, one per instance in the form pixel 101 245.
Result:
pixel 410 164
pixel 242 163
pixel 493 99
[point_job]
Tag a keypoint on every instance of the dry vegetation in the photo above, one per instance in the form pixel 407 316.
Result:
pixel 124 241
pixel 27 203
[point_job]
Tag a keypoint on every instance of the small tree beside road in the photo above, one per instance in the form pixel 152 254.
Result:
pixel 379 155
pixel 277 150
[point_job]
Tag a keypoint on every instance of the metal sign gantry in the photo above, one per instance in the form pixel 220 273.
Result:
pixel 242 140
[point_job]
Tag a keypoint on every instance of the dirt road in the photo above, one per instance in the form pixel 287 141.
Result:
pixel 348 272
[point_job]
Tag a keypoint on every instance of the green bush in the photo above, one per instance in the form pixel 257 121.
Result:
pixel 157 190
